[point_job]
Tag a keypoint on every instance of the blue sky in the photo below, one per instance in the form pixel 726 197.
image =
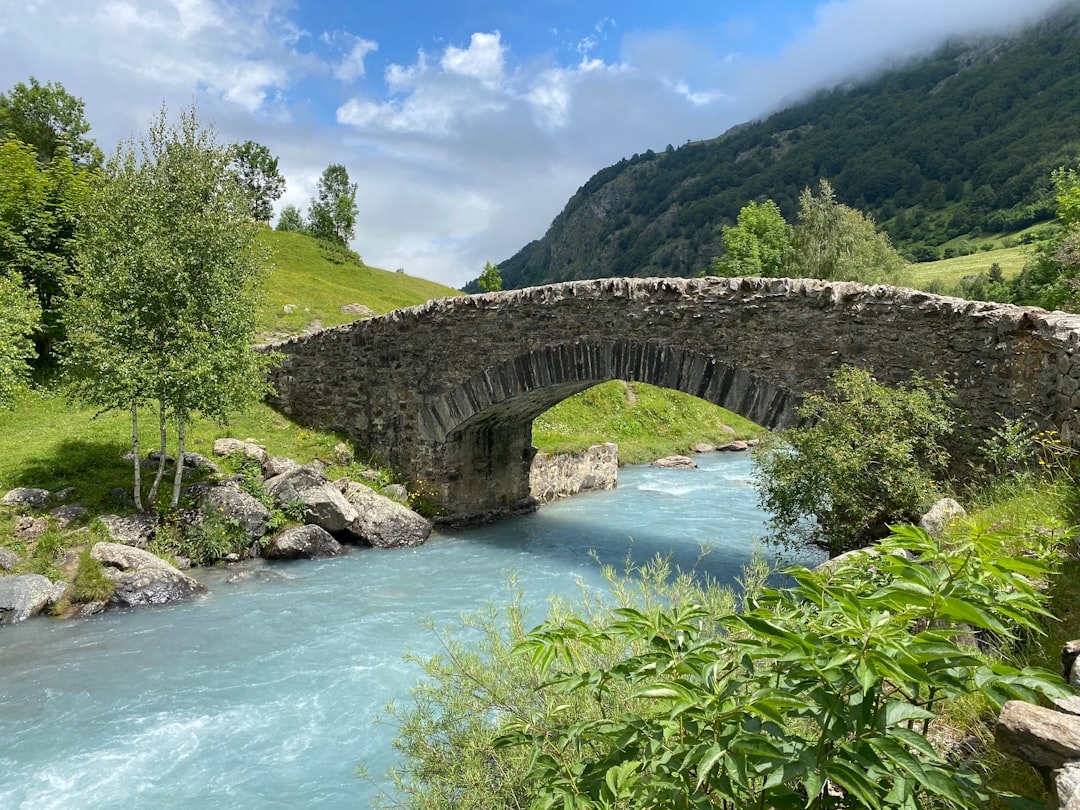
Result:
pixel 467 124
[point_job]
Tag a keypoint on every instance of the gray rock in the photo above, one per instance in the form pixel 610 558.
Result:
pixel 1067 786
pixel 30 528
pixel 357 309
pixel 941 515
pixel 69 513
pixel 64 494
pixel 26 595
pixel 26 498
pixel 197 461
pixel 122 496
pixel 736 446
pixel 385 523
pixel 324 505
pixel 229 502
pixel 226 447
pixel 396 491
pixel 8 559
pixel 676 463
pixel 87 609
pixel 303 542
pixel 1043 737
pixel 142 578
pixel 131 530
pixel 703 448
pixel 277 465
pixel 342 454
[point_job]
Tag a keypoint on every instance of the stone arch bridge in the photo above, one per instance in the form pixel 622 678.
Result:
pixel 446 392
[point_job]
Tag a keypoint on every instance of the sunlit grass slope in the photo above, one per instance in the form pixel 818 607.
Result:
pixel 646 422
pixel 950 272
pixel 316 282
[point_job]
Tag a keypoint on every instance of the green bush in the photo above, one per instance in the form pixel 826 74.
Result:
pixel 819 693
pixel 866 457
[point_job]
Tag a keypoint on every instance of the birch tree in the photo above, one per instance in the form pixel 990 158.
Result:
pixel 164 309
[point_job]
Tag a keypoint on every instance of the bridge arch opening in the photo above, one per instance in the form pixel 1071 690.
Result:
pixel 484 425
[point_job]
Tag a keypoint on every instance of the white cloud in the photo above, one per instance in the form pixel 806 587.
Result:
pixel 351 66
pixel 482 60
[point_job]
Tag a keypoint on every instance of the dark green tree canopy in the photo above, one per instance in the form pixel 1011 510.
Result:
pixel 46 116
pixel 332 215
pixel 257 172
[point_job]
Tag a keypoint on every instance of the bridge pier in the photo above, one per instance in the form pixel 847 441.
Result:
pixel 487 470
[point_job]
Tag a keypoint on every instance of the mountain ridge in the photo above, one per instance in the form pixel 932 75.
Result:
pixel 958 144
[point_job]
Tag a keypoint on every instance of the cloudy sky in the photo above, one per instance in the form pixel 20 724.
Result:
pixel 467 124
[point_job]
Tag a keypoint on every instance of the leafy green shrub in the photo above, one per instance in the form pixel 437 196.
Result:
pixel 820 695
pixel 868 456
pixel 90 583
pixel 204 542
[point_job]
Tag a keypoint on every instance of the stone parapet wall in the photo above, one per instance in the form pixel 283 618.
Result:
pixel 564 474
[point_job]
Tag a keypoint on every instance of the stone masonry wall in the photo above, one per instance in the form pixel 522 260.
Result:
pixel 564 474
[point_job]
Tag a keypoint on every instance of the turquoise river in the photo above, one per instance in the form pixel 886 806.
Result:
pixel 265 693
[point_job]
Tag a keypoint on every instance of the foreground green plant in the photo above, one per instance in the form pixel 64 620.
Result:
pixel 818 694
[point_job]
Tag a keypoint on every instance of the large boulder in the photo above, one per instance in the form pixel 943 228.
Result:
pixel 68 514
pixel 227 447
pixel 324 505
pixel 26 595
pixel 941 515
pixel 229 502
pixel 131 530
pixel 26 498
pixel 303 542
pixel 142 578
pixel 384 523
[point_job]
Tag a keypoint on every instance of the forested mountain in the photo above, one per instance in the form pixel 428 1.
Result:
pixel 960 143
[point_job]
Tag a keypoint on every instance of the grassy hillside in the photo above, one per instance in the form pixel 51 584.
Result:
pixel 316 282
pixel 947 273
pixel 646 422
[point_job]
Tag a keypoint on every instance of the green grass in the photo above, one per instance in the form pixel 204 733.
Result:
pixel 950 272
pixel 318 281
pixel 646 422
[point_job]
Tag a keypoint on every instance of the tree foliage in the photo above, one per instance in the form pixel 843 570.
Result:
pixel 759 244
pixel 47 117
pixel 290 219
pixel 818 695
pixel 332 213
pixel 866 456
pixel 257 171
pixel 19 315
pixel 1051 276
pixel 163 310
pixel 834 242
pixel 490 280
pixel 40 205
